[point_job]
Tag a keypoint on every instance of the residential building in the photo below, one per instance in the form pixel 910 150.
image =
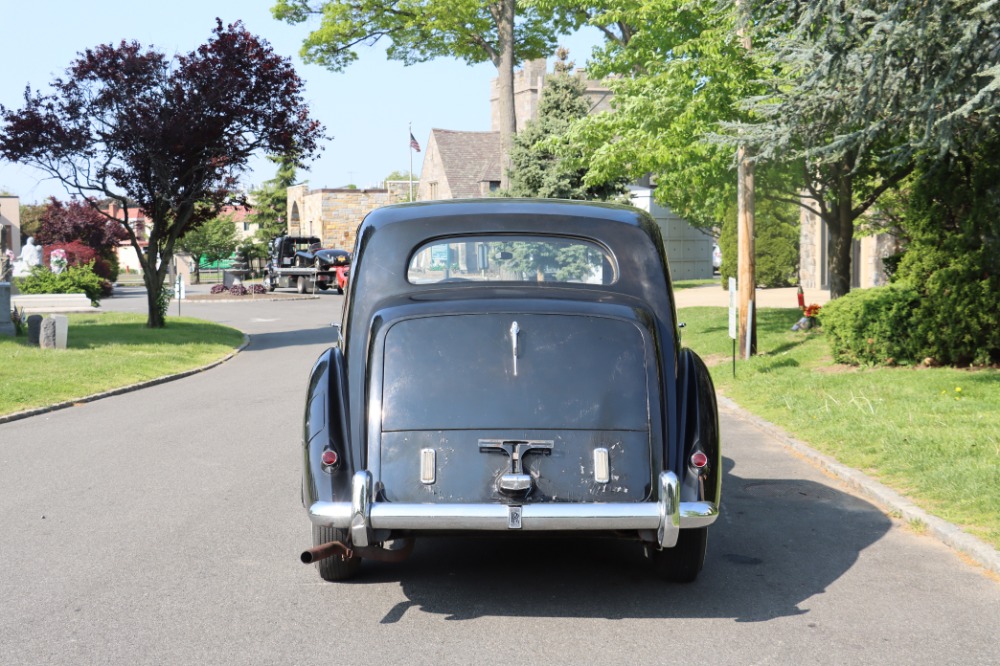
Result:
pixel 10 224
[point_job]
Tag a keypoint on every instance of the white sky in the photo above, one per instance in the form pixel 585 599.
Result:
pixel 366 109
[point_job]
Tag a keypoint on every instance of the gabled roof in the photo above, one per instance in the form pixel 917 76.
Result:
pixel 468 158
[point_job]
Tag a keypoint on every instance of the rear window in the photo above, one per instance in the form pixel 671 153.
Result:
pixel 511 259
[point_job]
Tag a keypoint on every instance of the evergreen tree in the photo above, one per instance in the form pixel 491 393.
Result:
pixel 270 200
pixel 541 168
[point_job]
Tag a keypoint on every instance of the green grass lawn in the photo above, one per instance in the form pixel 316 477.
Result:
pixel 105 351
pixel 930 433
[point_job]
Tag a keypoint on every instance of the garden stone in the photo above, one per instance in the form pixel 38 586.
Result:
pixel 62 330
pixel 48 336
pixel 6 325
pixel 34 328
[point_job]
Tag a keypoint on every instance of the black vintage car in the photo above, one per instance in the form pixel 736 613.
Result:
pixel 509 367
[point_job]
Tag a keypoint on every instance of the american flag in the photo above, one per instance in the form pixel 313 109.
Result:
pixel 413 143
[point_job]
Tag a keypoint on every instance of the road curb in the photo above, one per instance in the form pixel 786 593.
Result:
pixel 889 500
pixel 124 389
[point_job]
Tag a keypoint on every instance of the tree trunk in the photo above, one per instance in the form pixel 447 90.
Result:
pixel 841 233
pixel 505 89
pixel 154 288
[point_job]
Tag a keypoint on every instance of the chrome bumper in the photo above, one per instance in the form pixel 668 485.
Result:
pixel 668 515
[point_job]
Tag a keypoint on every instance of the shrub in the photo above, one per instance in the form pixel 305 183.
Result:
pixel 238 290
pixel 218 288
pixel 873 326
pixel 74 280
pixel 953 259
pixel 257 289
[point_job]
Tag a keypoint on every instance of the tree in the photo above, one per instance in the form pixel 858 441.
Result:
pixel 79 221
pixel 864 86
pixel 210 241
pixel 31 219
pixel 170 134
pixel 503 32
pixel 538 169
pixel 270 200
pixel 676 70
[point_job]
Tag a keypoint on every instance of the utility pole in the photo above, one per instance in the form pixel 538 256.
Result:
pixel 745 267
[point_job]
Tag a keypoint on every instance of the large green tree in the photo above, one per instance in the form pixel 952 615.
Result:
pixel 677 70
pixel 171 135
pixel 211 241
pixel 503 32
pixel 862 87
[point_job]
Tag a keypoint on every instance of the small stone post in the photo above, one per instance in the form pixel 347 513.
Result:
pixel 6 326
pixel 62 330
pixel 48 336
pixel 34 329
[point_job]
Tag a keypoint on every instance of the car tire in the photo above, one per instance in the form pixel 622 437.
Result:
pixel 683 562
pixel 300 286
pixel 322 286
pixel 334 568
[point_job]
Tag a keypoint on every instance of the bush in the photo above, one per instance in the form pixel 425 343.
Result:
pixel 953 259
pixel 873 326
pixel 74 280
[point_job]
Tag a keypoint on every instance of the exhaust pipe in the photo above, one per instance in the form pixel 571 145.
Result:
pixel 326 550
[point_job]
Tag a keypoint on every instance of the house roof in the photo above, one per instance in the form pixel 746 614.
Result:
pixel 468 158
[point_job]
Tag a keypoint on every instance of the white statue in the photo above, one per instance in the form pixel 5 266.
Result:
pixel 31 255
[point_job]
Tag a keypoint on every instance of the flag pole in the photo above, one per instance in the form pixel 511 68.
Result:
pixel 411 163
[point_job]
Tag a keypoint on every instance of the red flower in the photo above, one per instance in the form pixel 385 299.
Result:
pixel 811 310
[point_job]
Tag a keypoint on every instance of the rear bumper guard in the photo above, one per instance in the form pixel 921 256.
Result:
pixel 667 516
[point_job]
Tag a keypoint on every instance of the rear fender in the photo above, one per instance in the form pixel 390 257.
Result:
pixel 326 427
pixel 699 420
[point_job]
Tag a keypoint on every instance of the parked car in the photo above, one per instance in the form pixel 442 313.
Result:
pixel 301 262
pixel 509 366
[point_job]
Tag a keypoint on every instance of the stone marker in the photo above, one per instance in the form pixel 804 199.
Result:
pixel 34 329
pixel 48 336
pixel 62 330
pixel 6 325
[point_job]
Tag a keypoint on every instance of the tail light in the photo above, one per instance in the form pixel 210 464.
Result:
pixel 329 460
pixel 699 460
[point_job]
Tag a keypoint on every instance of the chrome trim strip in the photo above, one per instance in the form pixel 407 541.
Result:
pixel 428 466
pixel 361 504
pixel 496 517
pixel 602 465
pixel 669 506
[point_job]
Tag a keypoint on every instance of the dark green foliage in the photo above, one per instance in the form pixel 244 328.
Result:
pixel 953 258
pixel 539 169
pixel 73 280
pixel 873 326
pixel 776 244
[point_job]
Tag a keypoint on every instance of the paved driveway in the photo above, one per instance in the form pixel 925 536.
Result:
pixel 164 526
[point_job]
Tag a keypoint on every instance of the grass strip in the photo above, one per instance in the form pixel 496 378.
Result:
pixel 106 351
pixel 930 433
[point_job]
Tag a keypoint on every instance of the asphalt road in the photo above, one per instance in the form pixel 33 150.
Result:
pixel 163 526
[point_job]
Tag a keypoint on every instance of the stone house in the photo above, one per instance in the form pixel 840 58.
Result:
pixel 867 253
pixel 333 215
pixel 10 224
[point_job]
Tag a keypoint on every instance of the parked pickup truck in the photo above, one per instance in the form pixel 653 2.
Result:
pixel 301 263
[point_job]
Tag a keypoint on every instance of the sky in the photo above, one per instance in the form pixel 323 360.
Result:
pixel 367 109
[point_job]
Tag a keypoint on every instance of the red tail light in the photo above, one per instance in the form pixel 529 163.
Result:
pixel 699 460
pixel 329 458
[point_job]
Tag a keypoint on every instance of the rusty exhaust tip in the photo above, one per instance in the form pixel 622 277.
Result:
pixel 317 553
pixel 333 548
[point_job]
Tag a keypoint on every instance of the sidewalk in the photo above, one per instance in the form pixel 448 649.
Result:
pixel 716 296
